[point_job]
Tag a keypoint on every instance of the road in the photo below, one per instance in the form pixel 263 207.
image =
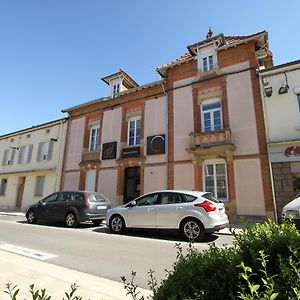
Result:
pixel 96 251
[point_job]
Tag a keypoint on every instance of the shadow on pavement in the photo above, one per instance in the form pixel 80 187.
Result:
pixel 169 235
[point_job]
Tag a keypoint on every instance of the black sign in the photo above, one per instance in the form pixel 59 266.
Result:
pixel 131 152
pixel 109 150
pixel 156 144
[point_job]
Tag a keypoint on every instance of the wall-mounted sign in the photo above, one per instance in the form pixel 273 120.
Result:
pixel 131 152
pixel 292 151
pixel 284 153
pixel 156 144
pixel 109 150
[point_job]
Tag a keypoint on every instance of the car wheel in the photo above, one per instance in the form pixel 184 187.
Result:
pixel 117 224
pixel 31 218
pixel 193 230
pixel 71 220
pixel 97 222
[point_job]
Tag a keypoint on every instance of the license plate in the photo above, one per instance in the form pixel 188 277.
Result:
pixel 101 207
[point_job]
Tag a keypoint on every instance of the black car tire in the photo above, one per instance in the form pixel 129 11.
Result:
pixel 117 224
pixel 71 220
pixel 192 230
pixel 31 217
pixel 97 222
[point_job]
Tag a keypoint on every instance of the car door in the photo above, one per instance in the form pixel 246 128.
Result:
pixel 170 210
pixel 44 207
pixel 58 208
pixel 142 215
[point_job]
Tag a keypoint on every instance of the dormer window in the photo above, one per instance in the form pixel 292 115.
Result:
pixel 116 89
pixel 207 63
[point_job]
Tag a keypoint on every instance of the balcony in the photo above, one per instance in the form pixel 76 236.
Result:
pixel 209 145
pixel 90 156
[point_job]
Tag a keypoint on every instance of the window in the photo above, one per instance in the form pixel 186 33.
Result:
pixel 8 157
pixel 134 131
pixel 298 96
pixel 151 199
pixel 116 89
pixel 51 198
pixel 211 115
pixel 25 154
pixel 170 198
pixel 45 151
pixel 215 179
pixel 3 185
pixel 39 186
pixel 94 138
pixel 207 63
pixel 64 197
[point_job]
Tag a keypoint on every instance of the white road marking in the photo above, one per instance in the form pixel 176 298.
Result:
pixel 26 251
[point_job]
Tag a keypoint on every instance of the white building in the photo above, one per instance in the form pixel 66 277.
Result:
pixel 31 163
pixel 280 87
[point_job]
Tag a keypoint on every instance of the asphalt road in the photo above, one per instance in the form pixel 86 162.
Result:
pixel 96 251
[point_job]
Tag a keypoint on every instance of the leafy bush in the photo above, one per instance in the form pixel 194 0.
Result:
pixel 263 263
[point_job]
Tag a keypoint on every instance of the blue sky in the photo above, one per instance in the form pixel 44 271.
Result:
pixel 53 54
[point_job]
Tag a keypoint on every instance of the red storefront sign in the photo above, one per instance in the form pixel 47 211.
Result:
pixel 292 151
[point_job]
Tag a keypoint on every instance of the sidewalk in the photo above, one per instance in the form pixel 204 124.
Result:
pixel 23 271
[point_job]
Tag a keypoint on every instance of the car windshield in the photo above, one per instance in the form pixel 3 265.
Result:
pixel 96 197
pixel 211 197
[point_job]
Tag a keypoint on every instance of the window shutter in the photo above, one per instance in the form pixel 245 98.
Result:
pixel 39 154
pixel 50 150
pixel 4 162
pixel 12 156
pixel 21 155
pixel 29 153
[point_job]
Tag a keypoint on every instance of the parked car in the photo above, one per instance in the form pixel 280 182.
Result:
pixel 70 207
pixel 193 213
pixel 292 211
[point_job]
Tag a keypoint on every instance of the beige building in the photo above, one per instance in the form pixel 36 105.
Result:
pixel 31 163
pixel 280 87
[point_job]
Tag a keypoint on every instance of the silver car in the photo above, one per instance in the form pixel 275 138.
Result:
pixel 193 213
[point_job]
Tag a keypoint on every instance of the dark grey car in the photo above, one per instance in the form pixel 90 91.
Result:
pixel 70 207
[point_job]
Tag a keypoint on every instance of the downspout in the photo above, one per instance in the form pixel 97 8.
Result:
pixel 267 138
pixel 167 133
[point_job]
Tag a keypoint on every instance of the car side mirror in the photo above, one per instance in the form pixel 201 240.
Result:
pixel 131 203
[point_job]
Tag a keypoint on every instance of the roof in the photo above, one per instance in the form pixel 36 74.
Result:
pixel 128 81
pixel 225 42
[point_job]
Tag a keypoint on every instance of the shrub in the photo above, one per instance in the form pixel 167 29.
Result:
pixel 267 253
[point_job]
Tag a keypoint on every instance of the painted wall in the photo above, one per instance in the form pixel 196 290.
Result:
pixel 184 177
pixel 71 181
pixel 107 185
pixel 154 178
pixel 282 112
pixel 155 123
pixel 248 187
pixel 111 132
pixel 183 119
pixel 242 120
pixel 75 142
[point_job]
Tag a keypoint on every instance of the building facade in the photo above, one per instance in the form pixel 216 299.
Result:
pixel 200 128
pixel 280 87
pixel 31 164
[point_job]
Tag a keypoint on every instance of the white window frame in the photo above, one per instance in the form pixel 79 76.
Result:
pixel 298 101
pixel 135 142
pixel 208 65
pixel 215 162
pixel 211 112
pixel 93 145
pixel 116 89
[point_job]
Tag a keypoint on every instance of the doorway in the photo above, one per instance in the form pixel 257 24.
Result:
pixel 132 183
pixel 21 184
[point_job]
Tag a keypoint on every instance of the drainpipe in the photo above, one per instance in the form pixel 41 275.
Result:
pixel 267 138
pixel 167 133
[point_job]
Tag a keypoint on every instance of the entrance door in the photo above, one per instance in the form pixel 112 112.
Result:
pixel 20 192
pixel 90 180
pixel 132 183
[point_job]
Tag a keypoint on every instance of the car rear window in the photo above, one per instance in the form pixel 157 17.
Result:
pixel 96 197
pixel 189 198
pixel 211 197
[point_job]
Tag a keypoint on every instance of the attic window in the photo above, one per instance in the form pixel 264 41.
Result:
pixel 48 130
pixel 116 89
pixel 28 136
pixel 11 140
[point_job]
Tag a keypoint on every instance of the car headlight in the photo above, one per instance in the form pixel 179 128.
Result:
pixel 292 214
